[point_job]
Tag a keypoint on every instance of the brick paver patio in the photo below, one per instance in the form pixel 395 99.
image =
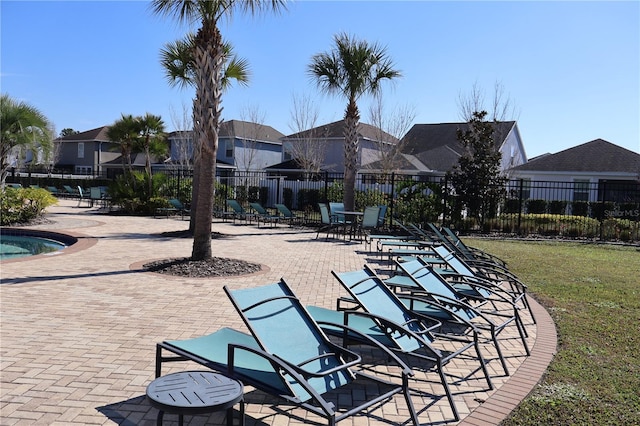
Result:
pixel 78 329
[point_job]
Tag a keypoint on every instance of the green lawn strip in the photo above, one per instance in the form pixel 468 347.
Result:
pixel 592 292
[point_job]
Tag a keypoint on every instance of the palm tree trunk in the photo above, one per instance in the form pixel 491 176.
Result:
pixel 208 59
pixel 351 119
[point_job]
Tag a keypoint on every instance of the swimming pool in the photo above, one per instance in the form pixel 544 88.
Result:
pixel 16 243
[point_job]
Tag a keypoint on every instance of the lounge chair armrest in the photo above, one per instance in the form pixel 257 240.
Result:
pixel 391 325
pixel 278 364
pixel 406 370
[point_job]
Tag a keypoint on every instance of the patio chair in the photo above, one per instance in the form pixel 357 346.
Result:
pixel 305 374
pixel 84 197
pixel 420 278
pixel 369 222
pixel 381 215
pixel 329 224
pixel 288 215
pixel 264 215
pixel 405 331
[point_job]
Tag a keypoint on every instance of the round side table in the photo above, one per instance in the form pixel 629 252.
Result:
pixel 196 392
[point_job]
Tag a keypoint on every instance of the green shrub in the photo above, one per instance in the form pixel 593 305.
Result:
pixel 557 207
pixel 308 199
pixel 512 205
pixel 287 196
pixel 580 208
pixel 131 192
pixel 22 205
pixel 536 206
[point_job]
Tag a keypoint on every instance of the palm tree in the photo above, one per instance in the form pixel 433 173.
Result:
pixel 208 60
pixel 177 60
pixel 351 69
pixel 152 140
pixel 125 132
pixel 21 126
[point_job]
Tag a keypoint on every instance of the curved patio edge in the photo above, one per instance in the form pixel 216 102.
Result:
pixel 505 399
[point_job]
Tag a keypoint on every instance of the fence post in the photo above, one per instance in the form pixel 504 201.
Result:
pixel 520 205
pixel 445 200
pixel 392 198
pixel 601 215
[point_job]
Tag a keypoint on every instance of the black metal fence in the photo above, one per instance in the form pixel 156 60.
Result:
pixel 602 210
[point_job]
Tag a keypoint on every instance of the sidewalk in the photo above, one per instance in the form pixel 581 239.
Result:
pixel 78 329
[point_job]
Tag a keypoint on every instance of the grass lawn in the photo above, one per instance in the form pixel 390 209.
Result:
pixel 593 294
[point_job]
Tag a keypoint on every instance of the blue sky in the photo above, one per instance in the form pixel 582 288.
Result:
pixel 572 68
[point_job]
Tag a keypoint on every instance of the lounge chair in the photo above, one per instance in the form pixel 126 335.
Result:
pixel 402 330
pixel 71 192
pixel 288 215
pixel 287 355
pixel 452 242
pixel 238 212
pixel 53 190
pixel 263 215
pixel 420 278
pixel 490 277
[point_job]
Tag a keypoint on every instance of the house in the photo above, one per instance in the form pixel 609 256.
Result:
pixel 242 145
pixel 84 152
pixel 322 148
pixel 594 171
pixel 434 149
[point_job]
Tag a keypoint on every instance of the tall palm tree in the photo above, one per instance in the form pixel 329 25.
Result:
pixel 177 60
pixel 208 60
pixel 351 69
pixel 21 126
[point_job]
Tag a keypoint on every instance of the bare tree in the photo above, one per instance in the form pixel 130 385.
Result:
pixel 390 129
pixel 254 119
pixel 500 109
pixel 183 141
pixel 309 147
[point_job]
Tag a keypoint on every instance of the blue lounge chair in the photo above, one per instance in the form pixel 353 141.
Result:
pixel 288 215
pixel 263 215
pixel 238 212
pixel 420 278
pixel 402 330
pixel 304 373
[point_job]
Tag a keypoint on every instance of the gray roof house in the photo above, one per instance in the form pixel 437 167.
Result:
pixel 331 137
pixel 592 171
pixel 84 152
pixel 434 149
pixel 597 159
pixel 242 145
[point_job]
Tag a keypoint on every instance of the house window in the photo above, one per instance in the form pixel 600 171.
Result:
pixel 229 149
pixel 80 149
pixel 580 190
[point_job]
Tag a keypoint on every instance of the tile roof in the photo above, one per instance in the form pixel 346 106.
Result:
pixel 595 156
